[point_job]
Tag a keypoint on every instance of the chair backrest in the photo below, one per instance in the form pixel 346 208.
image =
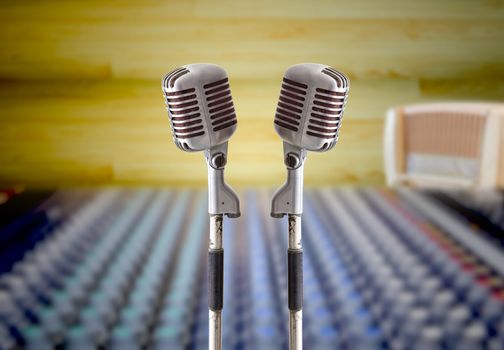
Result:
pixel 445 144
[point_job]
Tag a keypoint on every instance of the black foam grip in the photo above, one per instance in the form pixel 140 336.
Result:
pixel 295 279
pixel 215 279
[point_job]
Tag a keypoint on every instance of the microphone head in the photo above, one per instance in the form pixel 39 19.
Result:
pixel 310 107
pixel 200 106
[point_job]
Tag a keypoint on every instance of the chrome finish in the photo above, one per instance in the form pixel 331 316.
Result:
pixel 221 197
pixel 215 330
pixel 215 317
pixel 288 199
pixel 296 330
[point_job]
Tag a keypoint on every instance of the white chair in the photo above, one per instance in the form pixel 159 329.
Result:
pixel 445 145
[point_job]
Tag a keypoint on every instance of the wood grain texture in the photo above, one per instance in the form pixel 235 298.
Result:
pixel 80 99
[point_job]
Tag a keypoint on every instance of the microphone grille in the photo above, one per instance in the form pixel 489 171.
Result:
pixel 291 104
pixel 200 106
pixel 220 104
pixel 327 109
pixel 310 106
pixel 183 108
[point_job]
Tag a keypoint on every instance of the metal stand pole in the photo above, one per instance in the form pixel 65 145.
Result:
pixel 295 283
pixel 215 283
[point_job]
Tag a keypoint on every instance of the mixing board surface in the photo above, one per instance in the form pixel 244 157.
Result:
pixel 126 269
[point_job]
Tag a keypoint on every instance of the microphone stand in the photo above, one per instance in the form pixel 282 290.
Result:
pixel 288 200
pixel 215 283
pixel 222 200
pixel 295 283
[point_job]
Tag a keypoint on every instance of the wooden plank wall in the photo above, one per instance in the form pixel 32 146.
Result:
pixel 80 98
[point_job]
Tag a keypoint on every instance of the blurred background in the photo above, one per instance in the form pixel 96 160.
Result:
pixel 81 103
pixel 403 223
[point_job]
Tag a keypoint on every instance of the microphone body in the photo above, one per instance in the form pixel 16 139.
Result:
pixel 308 118
pixel 202 118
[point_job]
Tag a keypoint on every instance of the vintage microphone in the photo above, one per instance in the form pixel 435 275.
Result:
pixel 308 117
pixel 202 118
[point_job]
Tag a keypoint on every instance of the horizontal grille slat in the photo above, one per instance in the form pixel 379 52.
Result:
pixel 181 92
pixel 186 123
pixel 293 96
pixel 217 89
pixel 287 113
pixel 215 83
pixel 221 101
pixel 184 111
pixel 324 117
pixel 322 136
pixel 219 95
pixel 180 130
pixel 323 130
pixel 293 89
pixel 221 107
pixel 291 102
pixel 330 99
pixel 285 125
pixel 223 113
pixel 223 126
pixel 323 123
pixel 326 111
pixel 186 117
pixel 182 105
pixel 180 99
pixel 329 92
pixel 288 120
pixel 223 120
pixel 289 107
pixel 295 83
pixel 328 105
pixel 183 137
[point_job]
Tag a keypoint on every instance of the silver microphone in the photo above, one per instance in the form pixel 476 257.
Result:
pixel 202 117
pixel 308 117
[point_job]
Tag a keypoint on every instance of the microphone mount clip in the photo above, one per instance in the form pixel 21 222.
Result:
pixel 288 199
pixel 222 199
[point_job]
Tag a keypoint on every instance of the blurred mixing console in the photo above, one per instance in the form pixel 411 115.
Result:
pixel 126 269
